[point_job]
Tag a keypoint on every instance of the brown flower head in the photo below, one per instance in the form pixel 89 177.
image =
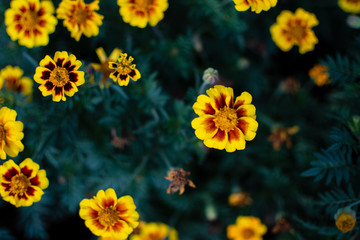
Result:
pixel 282 226
pixel 240 199
pixel 178 180
pixel 282 135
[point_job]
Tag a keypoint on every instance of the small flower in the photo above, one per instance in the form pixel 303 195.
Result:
pixel 124 70
pixel 104 62
pixel 80 18
pixel 223 124
pixel 320 75
pixel 11 79
pixel 22 185
pixel 345 219
pixel 282 226
pixel 256 5
pixel 155 231
pixel 295 29
pixel 178 178
pixel 11 133
pixel 282 135
pixel 246 228
pixel 240 199
pixel 290 85
pixel 107 216
pixel 350 6
pixel 138 13
pixel 59 77
pixel 30 22
pixel 210 76
pixel 118 142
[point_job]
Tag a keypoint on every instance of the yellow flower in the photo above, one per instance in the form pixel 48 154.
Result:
pixel 23 184
pixel 107 216
pixel 345 219
pixel 30 22
pixel 295 29
pixel 138 13
pixel 124 70
pixel 104 62
pixel 11 79
pixel 11 133
pixel 320 75
pixel 155 231
pixel 59 76
pixel 223 124
pixel 80 18
pixel 256 5
pixel 350 6
pixel 246 228
pixel 240 199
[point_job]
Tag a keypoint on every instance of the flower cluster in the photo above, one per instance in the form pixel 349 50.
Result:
pixel 256 5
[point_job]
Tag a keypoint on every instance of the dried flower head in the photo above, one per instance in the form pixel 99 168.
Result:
pixel 178 178
pixel 282 135
pixel 345 219
pixel 282 226
pixel 290 85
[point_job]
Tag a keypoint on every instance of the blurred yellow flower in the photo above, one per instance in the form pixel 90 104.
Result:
pixel 109 217
pixel 11 79
pixel 11 133
pixel 295 29
pixel 30 22
pixel 104 62
pixel 138 13
pixel 320 75
pixel 350 6
pixel 124 70
pixel 246 228
pixel 155 231
pixel 223 124
pixel 59 77
pixel 256 5
pixel 80 18
pixel 345 219
pixel 23 184
pixel 240 199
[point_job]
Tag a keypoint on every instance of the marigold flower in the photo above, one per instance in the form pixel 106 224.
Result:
pixel 11 79
pixel 138 13
pixel 23 184
pixel 155 230
pixel 320 75
pixel 124 70
pixel 240 199
pixel 104 62
pixel 11 133
pixel 223 124
pixel 295 29
pixel 30 22
pixel 178 180
pixel 256 5
pixel 345 219
pixel 59 76
pixel 282 135
pixel 350 6
pixel 246 228
pixel 282 226
pixel 107 216
pixel 80 18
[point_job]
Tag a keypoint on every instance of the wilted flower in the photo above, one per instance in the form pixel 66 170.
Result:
pixel 282 135
pixel 107 216
pixel 350 6
pixel 345 219
pixel 256 5
pixel 11 79
pixel 282 226
pixel 246 228
pixel 210 76
pixel 178 178
pixel 320 75
pixel 124 70
pixel 240 199
pixel 295 29
pixel 155 231
pixel 22 185
pixel 290 85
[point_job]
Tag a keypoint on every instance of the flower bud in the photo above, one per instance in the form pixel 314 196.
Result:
pixel 210 75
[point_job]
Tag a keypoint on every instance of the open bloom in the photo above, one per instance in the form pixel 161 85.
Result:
pixel 30 22
pixel 124 70
pixel 138 13
pixel 11 79
pixel 350 6
pixel 295 29
pixel 155 231
pixel 104 62
pixel 59 76
pixel 80 18
pixel 107 216
pixel 256 5
pixel 11 133
pixel 246 228
pixel 345 219
pixel 23 184
pixel 223 124
pixel 319 73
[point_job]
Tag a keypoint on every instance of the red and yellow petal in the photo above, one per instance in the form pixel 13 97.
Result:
pixel 8 170
pixel 248 126
pixel 95 227
pixel 70 88
pixel 135 74
pixel 204 126
pixel 106 198
pixel 203 106
pixel 29 168
pixel 243 99
pixel 218 141
pixel 248 110
pixel 236 140
pixel 241 5
pixel 221 96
